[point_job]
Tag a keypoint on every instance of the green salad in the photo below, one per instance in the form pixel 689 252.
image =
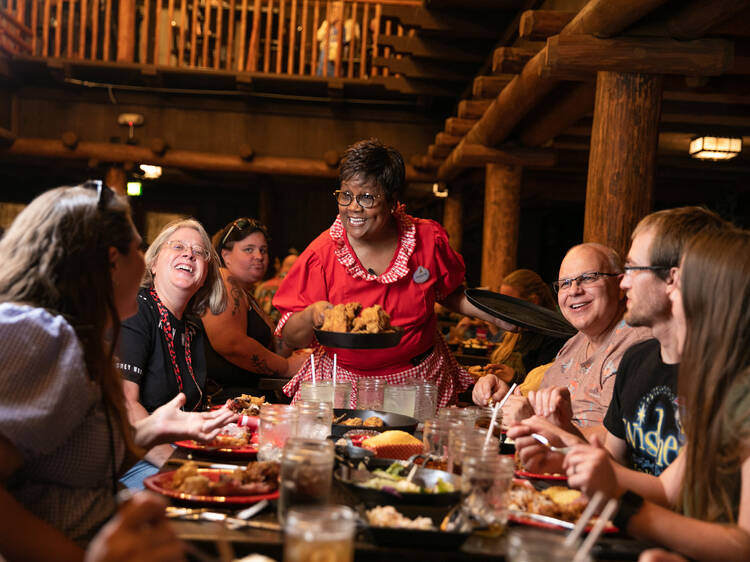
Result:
pixel 394 478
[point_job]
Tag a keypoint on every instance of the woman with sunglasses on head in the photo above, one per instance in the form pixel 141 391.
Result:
pixel 700 505
pixel 242 347
pixel 374 253
pixel 162 349
pixel 71 269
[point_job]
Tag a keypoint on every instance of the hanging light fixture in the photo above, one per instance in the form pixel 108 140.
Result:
pixel 715 148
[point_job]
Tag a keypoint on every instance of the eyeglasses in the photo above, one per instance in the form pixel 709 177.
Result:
pixel 583 280
pixel 345 198
pixel 240 225
pixel 630 269
pixel 197 250
pixel 103 192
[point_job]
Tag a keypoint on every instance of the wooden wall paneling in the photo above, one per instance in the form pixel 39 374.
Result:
pixel 269 35
pixel 219 18
pixel 292 37
pixel 502 214
pixel 622 158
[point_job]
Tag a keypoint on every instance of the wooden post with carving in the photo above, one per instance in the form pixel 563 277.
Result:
pixel 502 214
pixel 622 158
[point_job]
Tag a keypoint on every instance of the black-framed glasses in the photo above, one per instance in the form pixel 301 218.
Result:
pixel 104 193
pixel 345 198
pixel 630 269
pixel 199 251
pixel 583 280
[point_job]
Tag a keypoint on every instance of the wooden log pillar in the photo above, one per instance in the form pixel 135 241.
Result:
pixel 117 179
pixel 126 31
pixel 453 219
pixel 622 158
pixel 502 214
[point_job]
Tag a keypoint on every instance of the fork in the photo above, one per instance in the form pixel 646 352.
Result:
pixel 544 441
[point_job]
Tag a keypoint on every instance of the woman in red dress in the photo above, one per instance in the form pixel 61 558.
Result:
pixel 374 253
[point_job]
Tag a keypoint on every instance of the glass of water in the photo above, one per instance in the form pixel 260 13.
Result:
pixel 314 419
pixel 400 398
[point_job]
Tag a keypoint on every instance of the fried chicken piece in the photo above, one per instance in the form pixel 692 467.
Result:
pixel 374 421
pixel 196 485
pixel 186 471
pixel 340 317
pixel 373 320
pixel 354 422
pixel 262 471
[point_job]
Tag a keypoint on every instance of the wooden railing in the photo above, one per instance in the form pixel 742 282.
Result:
pixel 272 36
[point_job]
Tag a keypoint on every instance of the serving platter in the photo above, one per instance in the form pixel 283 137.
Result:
pixel 391 420
pixel 205 449
pixel 359 340
pixel 521 313
pixel 161 484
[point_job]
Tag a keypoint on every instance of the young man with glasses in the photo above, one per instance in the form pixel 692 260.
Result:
pixel 642 422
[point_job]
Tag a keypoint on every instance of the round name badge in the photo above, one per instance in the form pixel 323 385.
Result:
pixel 421 275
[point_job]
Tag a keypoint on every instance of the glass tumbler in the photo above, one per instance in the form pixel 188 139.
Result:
pixel 400 398
pixel 539 545
pixel 321 534
pixel 370 393
pixel 435 438
pixel 485 480
pixel 342 394
pixel 319 391
pixel 277 423
pixel 425 402
pixel 314 419
pixel 466 441
pixel 306 471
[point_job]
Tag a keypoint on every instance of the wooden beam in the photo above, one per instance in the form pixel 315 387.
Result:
pixel 476 155
pixel 458 23
pixel 438 151
pixel 472 109
pixel 511 60
pixel 446 139
pixel 458 127
pixel 429 48
pixel 425 69
pixel 622 158
pixel 183 159
pixel 485 87
pixel 537 25
pixel 648 55
pixel 559 116
pixel 502 215
pixel 601 17
pixel 699 16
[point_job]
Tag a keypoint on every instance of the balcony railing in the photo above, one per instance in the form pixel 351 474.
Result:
pixel 291 37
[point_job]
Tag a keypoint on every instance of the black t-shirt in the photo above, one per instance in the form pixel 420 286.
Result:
pixel 644 411
pixel 144 356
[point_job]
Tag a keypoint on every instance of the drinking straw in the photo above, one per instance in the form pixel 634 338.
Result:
pixel 334 369
pixel 583 520
pixel 603 519
pixel 312 365
pixel 495 410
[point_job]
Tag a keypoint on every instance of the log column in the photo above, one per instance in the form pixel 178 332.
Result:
pixel 453 219
pixel 502 213
pixel 117 179
pixel 126 31
pixel 622 158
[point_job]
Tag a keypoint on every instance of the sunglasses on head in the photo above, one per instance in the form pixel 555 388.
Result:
pixel 239 225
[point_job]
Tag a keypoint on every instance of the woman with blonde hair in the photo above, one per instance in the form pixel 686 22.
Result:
pixel 71 269
pixel 699 506
pixel 162 347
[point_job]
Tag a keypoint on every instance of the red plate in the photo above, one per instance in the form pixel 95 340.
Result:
pixel 160 483
pixel 521 520
pixel 247 452
pixel 536 476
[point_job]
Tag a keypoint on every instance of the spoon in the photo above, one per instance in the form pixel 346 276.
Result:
pixel 544 441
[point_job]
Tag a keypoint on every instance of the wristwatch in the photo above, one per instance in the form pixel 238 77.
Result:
pixel 630 504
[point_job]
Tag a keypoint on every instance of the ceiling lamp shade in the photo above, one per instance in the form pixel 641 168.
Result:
pixel 715 148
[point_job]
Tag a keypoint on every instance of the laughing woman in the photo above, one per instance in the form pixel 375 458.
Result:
pixel 162 350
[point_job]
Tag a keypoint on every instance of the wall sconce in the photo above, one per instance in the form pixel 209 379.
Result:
pixel 150 172
pixel 437 192
pixel 715 148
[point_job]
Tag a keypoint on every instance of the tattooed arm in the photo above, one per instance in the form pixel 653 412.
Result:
pixel 227 333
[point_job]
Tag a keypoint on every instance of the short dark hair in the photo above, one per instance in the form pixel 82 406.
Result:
pixel 371 160
pixel 673 229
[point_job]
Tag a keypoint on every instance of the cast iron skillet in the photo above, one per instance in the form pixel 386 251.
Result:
pixel 426 477
pixel 521 313
pixel 347 340
pixel 391 420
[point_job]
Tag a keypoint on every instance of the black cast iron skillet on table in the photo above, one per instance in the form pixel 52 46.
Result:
pixel 391 421
pixel 521 313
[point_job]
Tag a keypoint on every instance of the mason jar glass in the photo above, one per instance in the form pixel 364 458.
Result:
pixel 314 419
pixel 306 472
pixel 277 423
pixel 370 393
